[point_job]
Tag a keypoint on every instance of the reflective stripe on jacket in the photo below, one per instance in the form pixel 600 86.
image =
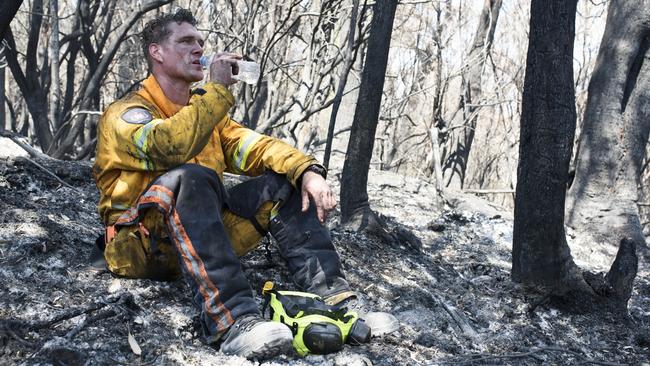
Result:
pixel 144 134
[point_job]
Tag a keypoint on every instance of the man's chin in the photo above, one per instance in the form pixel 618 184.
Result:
pixel 196 77
pixel 193 74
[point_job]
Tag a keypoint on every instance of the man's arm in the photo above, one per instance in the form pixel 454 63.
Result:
pixel 250 153
pixel 143 142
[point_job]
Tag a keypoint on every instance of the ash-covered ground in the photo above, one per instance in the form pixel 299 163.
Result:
pixel 453 295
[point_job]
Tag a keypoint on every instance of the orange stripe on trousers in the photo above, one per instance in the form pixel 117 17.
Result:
pixel 202 272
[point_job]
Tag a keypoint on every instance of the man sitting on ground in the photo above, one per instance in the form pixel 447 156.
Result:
pixel 161 154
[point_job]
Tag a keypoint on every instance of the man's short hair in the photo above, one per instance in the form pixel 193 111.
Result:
pixel 156 30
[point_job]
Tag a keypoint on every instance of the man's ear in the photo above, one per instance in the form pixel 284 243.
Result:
pixel 155 52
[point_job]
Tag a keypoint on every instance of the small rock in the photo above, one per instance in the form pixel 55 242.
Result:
pixel 436 226
pixel 381 323
pixel 115 286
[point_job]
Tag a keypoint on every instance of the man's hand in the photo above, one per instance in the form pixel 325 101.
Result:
pixel 223 67
pixel 315 187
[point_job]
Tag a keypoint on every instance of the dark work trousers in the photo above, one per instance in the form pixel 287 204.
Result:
pixel 191 198
pixel 307 247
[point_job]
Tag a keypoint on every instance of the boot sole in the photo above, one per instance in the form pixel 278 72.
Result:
pixel 272 349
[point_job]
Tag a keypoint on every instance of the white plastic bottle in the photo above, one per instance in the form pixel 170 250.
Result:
pixel 249 71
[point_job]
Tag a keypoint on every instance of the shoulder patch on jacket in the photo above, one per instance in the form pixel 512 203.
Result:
pixel 137 115
pixel 199 91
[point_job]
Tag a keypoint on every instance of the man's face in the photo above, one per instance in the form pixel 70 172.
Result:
pixel 178 55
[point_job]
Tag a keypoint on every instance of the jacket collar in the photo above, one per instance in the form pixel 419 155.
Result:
pixel 152 92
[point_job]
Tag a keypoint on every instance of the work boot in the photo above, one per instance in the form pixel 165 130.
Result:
pixel 253 337
pixel 380 323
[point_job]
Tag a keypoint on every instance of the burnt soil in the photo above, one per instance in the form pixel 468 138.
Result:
pixel 452 294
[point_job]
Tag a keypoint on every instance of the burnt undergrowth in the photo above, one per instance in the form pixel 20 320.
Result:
pixel 452 294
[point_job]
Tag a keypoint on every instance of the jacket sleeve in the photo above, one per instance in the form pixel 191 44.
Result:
pixel 159 144
pixel 250 153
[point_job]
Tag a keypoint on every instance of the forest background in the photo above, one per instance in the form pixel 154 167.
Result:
pixel 432 100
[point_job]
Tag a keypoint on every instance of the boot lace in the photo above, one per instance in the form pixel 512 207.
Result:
pixel 247 322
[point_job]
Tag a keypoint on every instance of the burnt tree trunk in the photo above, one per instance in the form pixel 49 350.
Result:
pixel 354 192
pixel 602 201
pixel 29 81
pixel 540 254
pixel 254 113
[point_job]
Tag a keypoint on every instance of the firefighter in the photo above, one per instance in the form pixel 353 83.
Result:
pixel 161 155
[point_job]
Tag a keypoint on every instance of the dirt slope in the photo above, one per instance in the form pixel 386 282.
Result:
pixel 453 296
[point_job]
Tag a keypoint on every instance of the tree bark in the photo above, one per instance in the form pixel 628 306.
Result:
pixel 602 199
pixel 436 160
pixel 354 193
pixel 255 112
pixel 55 85
pixel 540 254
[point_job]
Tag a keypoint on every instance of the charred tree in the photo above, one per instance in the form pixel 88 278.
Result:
pixel 29 81
pixel 355 209
pixel 540 255
pixel 602 201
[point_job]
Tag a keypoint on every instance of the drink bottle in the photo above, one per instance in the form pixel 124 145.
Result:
pixel 249 71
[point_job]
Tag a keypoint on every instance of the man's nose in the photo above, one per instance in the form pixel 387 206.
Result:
pixel 197 48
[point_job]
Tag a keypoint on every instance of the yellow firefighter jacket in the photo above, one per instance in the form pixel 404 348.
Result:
pixel 144 134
